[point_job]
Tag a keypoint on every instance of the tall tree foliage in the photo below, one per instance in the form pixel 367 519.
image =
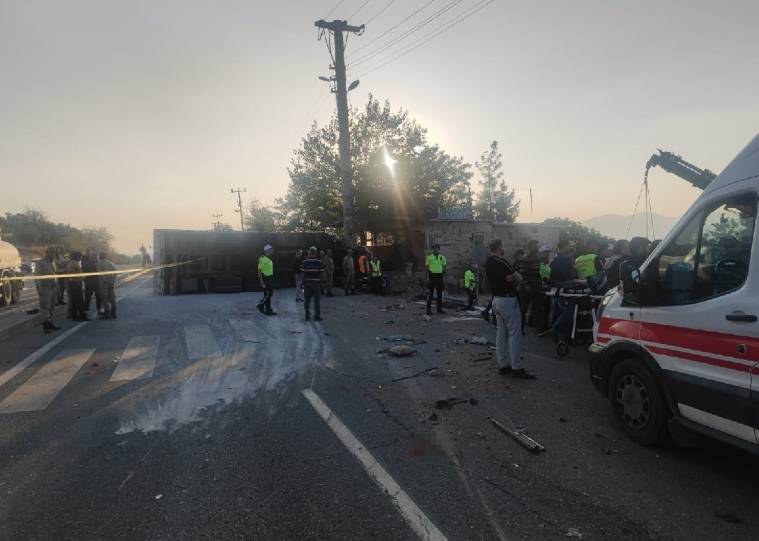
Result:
pixel 582 235
pixel 496 201
pixel 422 178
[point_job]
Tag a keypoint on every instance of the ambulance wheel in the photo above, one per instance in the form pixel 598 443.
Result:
pixel 638 403
pixel 562 349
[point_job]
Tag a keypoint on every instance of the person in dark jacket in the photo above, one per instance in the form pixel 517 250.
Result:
pixel 91 283
pixel 531 289
pixel 298 273
pixel 312 270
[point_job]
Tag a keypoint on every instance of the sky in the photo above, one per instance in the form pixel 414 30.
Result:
pixel 144 114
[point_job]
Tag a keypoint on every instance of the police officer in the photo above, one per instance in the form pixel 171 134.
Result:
pixel 375 268
pixel 266 278
pixel 470 285
pixel 47 290
pixel 436 264
pixel 75 292
pixel 91 283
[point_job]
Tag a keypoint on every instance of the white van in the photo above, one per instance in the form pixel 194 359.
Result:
pixel 678 346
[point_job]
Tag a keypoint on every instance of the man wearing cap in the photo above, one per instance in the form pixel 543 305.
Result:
pixel 266 278
pixel 436 264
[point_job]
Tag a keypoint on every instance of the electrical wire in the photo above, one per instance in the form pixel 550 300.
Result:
pixel 396 25
pixel 637 201
pixel 380 12
pixel 362 6
pixel 371 54
pixel 465 15
pixel 331 11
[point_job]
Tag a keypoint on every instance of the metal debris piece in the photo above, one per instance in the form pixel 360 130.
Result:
pixel 431 371
pixel 396 338
pixel 523 439
pixel 574 533
pixel 485 357
pixel 401 351
pixel 479 341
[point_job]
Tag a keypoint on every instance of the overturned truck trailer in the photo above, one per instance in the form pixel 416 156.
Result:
pixel 226 261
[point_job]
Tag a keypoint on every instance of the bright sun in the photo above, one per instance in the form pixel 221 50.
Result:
pixel 389 161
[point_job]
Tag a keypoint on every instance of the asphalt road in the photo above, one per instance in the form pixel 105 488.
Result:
pixel 197 417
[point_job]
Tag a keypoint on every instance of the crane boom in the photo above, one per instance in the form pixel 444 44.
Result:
pixel 672 163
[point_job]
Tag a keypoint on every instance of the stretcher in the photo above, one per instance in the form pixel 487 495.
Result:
pixel 577 315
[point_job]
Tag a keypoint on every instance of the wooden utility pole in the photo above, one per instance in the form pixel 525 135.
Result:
pixel 238 191
pixel 346 176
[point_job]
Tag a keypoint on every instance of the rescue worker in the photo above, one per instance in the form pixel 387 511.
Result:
pixel 504 282
pixel 545 279
pixel 266 279
pixel 349 271
pixel 312 269
pixel 375 266
pixel 436 264
pixel 329 273
pixel 545 264
pixel 107 286
pixel 531 289
pixel 91 283
pixel 47 290
pixel 620 253
pixel 470 285
pixel 563 265
pixel 74 285
pixel 298 273
pixel 590 263
pixel 363 269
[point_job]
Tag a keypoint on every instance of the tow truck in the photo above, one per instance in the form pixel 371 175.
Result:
pixel 672 163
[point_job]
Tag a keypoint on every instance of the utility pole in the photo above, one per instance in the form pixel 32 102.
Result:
pixel 346 177
pixel 217 224
pixel 238 191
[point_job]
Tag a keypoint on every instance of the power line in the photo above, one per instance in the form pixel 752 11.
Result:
pixel 396 25
pixel 331 11
pixel 362 6
pixel 465 15
pixel 380 12
pixel 371 54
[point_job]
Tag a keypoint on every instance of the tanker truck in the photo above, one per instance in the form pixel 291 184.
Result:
pixel 10 266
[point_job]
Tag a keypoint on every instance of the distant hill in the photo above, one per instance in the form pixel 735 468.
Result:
pixel 615 225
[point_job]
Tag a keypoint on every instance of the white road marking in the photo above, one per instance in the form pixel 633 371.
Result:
pixel 42 388
pixel 411 513
pixel 11 373
pixel 138 359
pixel 200 342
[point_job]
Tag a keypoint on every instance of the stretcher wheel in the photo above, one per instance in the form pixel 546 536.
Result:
pixel 562 349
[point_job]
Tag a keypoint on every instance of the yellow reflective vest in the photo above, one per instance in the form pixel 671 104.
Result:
pixel 376 268
pixel 586 266
pixel 436 263
pixel 265 266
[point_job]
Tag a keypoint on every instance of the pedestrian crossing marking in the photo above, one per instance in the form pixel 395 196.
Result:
pixel 200 342
pixel 41 389
pixel 138 360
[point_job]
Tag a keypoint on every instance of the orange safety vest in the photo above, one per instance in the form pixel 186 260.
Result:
pixel 362 266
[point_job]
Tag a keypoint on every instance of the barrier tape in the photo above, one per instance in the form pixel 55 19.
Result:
pixel 33 277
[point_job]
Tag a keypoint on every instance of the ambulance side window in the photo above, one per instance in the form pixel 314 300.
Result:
pixel 710 256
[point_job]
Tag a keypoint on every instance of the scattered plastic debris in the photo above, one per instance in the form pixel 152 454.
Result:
pixel 396 338
pixel 485 357
pixel 428 371
pixel 448 403
pixel 427 318
pixel 574 533
pixel 401 351
pixel 608 451
pixel 479 341
pixel 434 418
pixel 158 496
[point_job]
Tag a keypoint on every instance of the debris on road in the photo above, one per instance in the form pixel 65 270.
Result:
pixel 158 496
pixel 574 533
pixel 429 371
pixel 485 357
pixel 608 451
pixel 448 403
pixel 562 420
pixel 479 341
pixel 401 351
pixel 523 439
pixel 396 338
pixel 33 311
pixel 434 418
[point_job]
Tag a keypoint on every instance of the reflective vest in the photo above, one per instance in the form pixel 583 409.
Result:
pixel 436 263
pixel 265 266
pixel 376 268
pixel 586 266
pixel 362 267
pixel 469 279
pixel 545 271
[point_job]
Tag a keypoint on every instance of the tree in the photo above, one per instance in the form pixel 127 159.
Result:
pixel 496 201
pixel 582 235
pixel 261 218
pixel 422 178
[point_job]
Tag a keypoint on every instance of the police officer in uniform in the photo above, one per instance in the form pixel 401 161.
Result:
pixel 375 267
pixel 108 287
pixel 266 278
pixel 436 264
pixel 91 283
pixel 75 290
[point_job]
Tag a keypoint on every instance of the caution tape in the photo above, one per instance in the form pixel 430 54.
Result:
pixel 32 277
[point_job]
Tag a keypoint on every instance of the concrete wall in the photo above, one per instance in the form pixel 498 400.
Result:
pixel 464 242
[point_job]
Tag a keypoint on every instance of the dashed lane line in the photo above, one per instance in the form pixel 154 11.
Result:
pixel 411 512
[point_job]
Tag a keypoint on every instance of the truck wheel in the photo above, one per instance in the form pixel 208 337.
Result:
pixel 16 293
pixel 638 402
pixel 7 288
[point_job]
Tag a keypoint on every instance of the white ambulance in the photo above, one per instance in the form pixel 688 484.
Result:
pixel 678 346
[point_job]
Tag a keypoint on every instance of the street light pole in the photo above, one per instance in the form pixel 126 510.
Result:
pixel 238 191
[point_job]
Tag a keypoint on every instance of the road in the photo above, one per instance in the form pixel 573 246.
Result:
pixel 196 417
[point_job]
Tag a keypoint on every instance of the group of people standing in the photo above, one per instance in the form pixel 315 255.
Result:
pixel 54 286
